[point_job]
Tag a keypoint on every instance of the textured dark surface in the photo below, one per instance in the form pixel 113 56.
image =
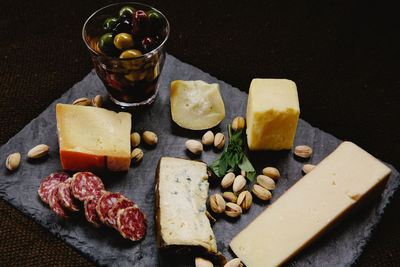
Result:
pixel 343 56
pixel 106 247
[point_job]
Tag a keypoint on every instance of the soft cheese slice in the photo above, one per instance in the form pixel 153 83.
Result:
pixel 196 105
pixel 342 179
pixel 181 195
pixel 272 114
pixel 92 138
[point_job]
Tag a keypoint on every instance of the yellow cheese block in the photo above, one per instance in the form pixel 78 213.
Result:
pixel 92 138
pixel 272 114
pixel 196 105
pixel 309 207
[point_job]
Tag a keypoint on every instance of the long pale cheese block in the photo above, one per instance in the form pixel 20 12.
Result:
pixel 92 138
pixel 309 207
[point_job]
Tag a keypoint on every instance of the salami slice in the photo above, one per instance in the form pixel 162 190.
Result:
pixel 85 184
pixel 54 202
pixel 105 203
pixel 122 203
pixel 49 183
pixel 90 208
pixel 65 196
pixel 131 223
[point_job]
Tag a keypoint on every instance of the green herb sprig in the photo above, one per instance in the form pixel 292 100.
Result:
pixel 233 158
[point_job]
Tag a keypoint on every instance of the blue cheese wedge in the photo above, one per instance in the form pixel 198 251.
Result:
pixel 181 191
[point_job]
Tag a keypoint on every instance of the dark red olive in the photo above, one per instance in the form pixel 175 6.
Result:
pixel 148 44
pixel 140 22
pixel 123 26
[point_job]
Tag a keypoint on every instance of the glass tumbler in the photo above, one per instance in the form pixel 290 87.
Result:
pixel 130 82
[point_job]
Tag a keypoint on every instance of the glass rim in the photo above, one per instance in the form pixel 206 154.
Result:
pixel 126 59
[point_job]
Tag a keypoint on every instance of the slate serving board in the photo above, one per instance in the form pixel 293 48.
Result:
pixel 339 247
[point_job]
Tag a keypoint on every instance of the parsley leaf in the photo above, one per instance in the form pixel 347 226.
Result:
pixel 233 158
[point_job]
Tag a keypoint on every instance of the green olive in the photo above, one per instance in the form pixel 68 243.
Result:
pixel 133 64
pixel 106 44
pixel 123 41
pixel 127 12
pixel 156 19
pixel 131 53
pixel 109 24
pixel 135 76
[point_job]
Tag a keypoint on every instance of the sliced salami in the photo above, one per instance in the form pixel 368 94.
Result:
pixel 90 208
pixel 55 204
pixel 65 196
pixel 122 203
pixel 49 183
pixel 85 184
pixel 131 223
pixel 105 203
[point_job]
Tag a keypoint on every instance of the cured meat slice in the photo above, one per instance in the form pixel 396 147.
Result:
pixel 122 203
pixel 65 196
pixel 131 223
pixel 105 203
pixel 49 183
pixel 90 208
pixel 55 204
pixel 85 184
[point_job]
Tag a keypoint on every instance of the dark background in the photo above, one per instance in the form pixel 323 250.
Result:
pixel 343 55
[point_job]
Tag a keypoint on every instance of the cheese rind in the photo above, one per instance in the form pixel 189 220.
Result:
pixel 196 105
pixel 309 207
pixel 181 193
pixel 92 138
pixel 272 114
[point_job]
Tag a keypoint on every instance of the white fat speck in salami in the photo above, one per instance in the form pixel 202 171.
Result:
pixel 49 183
pixel 131 223
pixel 65 196
pixel 90 208
pixel 85 184
pixel 54 202
pixel 105 203
pixel 122 203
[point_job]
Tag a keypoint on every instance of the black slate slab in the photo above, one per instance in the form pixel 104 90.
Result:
pixel 339 247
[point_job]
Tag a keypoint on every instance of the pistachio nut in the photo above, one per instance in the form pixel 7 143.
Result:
pixel 303 151
pixel 230 197
pixel 83 101
pixel 239 184
pixel 243 173
pixel 261 192
pixel 233 210
pixel 13 161
pixel 135 139
pixel 228 179
pixel 266 182
pixel 271 172
pixel 244 200
pixel 150 138
pixel 136 155
pixel 201 262
pixel 219 140
pixel 307 168
pixel 234 263
pixel 38 151
pixel 217 203
pixel 238 123
pixel 194 146
pixel 208 138
pixel 97 101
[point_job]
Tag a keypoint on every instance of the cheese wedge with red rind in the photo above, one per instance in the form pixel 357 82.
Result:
pixel 92 138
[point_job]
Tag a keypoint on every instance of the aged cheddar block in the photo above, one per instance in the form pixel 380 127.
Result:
pixel 92 138
pixel 344 178
pixel 196 105
pixel 181 191
pixel 272 114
